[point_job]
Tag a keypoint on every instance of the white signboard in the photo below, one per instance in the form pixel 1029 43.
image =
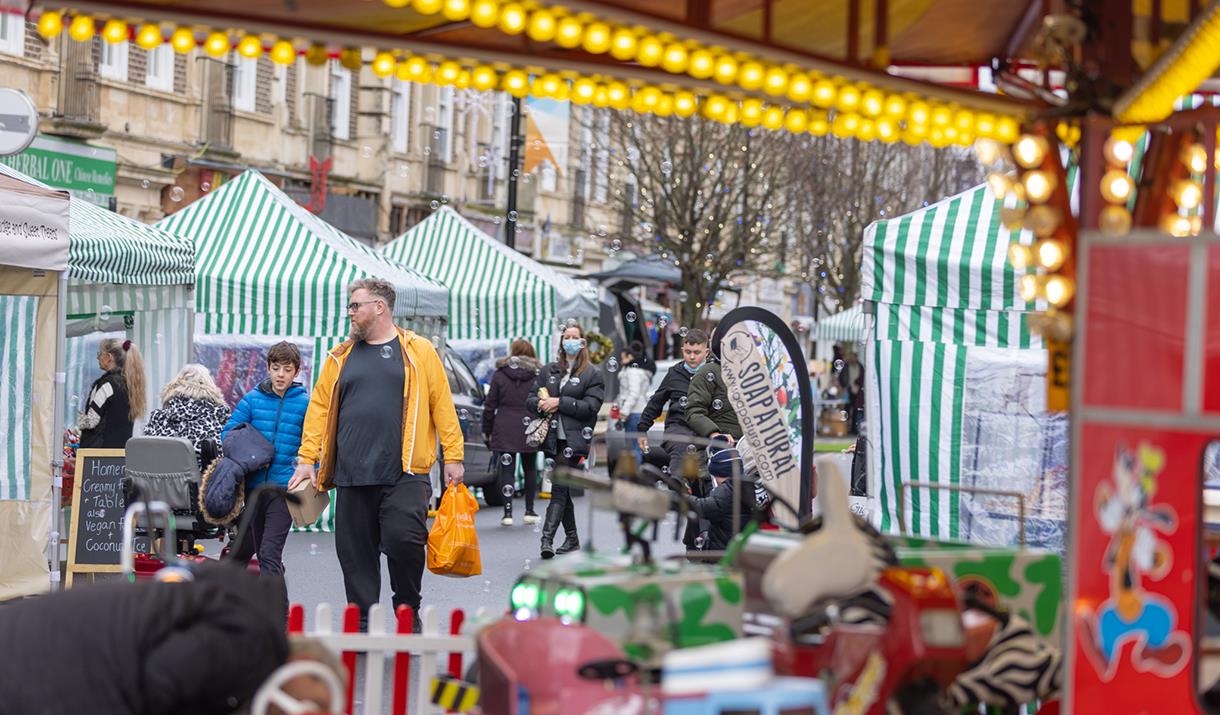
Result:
pixel 33 226
pixel 18 121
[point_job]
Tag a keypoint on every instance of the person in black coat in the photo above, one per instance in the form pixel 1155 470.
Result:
pixel 717 507
pixel 571 390
pixel 504 420
pixel 116 399
pixel 671 398
pixel 147 648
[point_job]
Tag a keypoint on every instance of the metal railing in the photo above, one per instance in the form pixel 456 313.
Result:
pixel 217 114
pixel 79 95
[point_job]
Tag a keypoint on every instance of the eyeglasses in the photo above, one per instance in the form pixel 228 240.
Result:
pixel 355 305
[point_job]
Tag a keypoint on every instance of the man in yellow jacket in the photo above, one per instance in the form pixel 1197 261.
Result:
pixel 378 448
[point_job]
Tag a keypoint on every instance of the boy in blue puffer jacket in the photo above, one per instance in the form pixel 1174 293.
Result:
pixel 276 408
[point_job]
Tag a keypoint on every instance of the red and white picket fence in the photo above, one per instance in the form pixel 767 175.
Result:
pixel 411 691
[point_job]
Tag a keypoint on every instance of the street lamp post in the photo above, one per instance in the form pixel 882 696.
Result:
pixel 514 164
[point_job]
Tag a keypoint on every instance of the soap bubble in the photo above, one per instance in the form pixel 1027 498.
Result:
pixel 717 404
pixel 366 152
pixel 514 361
pixel 612 365
pixel 631 316
pixel 683 331
pixel 464 414
pixel 144 184
pixel 506 460
pixel 587 433
pixel 434 204
pixel 175 194
pixel 205 187
pixel 567 452
pixel 682 402
pixel 666 167
pixel 104 312
pixel 507 491
pixel 512 215
pixel 839 366
pixel 525 421
pixel 683 295
pixel 386 352
pixel 710 377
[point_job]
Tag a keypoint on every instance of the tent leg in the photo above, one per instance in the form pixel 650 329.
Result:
pixel 57 450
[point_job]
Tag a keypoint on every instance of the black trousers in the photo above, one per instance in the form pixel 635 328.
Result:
pixel 270 523
pixel 561 508
pixel 529 469
pixel 390 520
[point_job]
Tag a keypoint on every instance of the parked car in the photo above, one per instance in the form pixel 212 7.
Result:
pixel 468 396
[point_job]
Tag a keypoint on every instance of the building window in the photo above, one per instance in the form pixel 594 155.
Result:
pixel 400 116
pixel 12 33
pixel 601 173
pixel 583 171
pixel 160 71
pixel 501 123
pixel 245 83
pixel 444 122
pixel 113 63
pixel 341 93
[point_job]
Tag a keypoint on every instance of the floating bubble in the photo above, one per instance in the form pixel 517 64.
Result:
pixel 366 152
pixel 567 452
pixel 512 215
pixel 839 366
pixel 710 377
pixel 205 187
pixel 486 586
pixel 104 312
pixel 429 114
pixel 526 566
pixel 570 323
pixel 175 194
pixel 144 184
pixel 434 204
pixel 683 296
pixel 662 323
pixel 507 491
pixel 612 365
pixel 514 361
pixel 666 168
pixel 525 421
pixel 158 338
pixel 313 549
pixel 403 169
pixel 90 194
pixel 665 469
pixel 464 414
pixel 444 199
pixel 843 415
pixel 683 331
pixel 554 424
pixel 549 463
pixel 631 317
pixel 506 460
pixel 682 402
pixel 483 161
pixel 690 448
pixel 587 433
pixel 386 352
pixel 427 150
pixel 496 220
pixel 436 342
pixel 717 404
pixel 516 173
pixel 616 245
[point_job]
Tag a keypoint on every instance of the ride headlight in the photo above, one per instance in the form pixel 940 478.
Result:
pixel 570 604
pixel 942 628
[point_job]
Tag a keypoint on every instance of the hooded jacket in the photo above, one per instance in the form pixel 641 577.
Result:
pixel 708 409
pixel 633 389
pixel 189 415
pixel 280 420
pixel 427 411
pixel 672 392
pixel 504 410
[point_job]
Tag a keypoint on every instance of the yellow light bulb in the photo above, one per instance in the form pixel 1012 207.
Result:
pixel 845 125
pixel 650 51
pixel 1118 151
pixel 383 64
pixel 427 7
pixel 750 76
pixel 419 70
pixel 617 95
pixel 1059 290
pixel 351 58
pixel 1116 186
pixel 1000 184
pixel 1188 194
pixel 773 118
pixel 1030 150
pixel 457 10
pixel 284 53
pixel 397 3
pixel 1115 220
pixel 217 44
pixel 599 97
pixel 849 98
pixel 485 13
pixel 1195 158
pixel 825 93
pixel 114 31
pixel 963 120
pixel 512 19
pixel 819 126
pixel 1030 287
pixel 665 106
pixel 183 40
pixel 597 38
pixel 942 116
pixel 547 85
pixel 919 114
pixel 895 106
pixel 1175 225
pixel 867 131
pixel 1038 185
pixel 583 90
pixel 569 32
pixel 516 83
pixel 1051 253
pixel 1019 256
pixel 542 26
pixel 872 103
pixel 800 87
pixel 701 64
pixel 447 72
pixel 1007 129
pixel 50 24
pixel 674 60
pixel 715 106
pixel 251 47
pixel 623 44
pixel 887 130
pixel 484 78
pixel 796 121
pixel 984 125
pixel 988 151
pixel 149 37
pixel 751 113
pixel 685 104
pixel 649 97
pixel 776 81
pixel 81 28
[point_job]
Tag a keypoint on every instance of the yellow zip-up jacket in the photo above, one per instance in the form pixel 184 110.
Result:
pixel 427 410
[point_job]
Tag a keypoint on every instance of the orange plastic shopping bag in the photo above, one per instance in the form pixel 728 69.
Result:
pixel 453 545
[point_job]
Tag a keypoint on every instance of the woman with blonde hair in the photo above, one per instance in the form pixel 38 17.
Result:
pixel 116 399
pixel 192 407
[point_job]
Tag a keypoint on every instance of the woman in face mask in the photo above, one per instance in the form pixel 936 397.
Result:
pixel 571 391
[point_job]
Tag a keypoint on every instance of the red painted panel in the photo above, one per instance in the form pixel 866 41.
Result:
pixel 1132 620
pixel 1211 345
pixel 1136 326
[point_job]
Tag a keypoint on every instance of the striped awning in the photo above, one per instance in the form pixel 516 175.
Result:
pixel 267 266
pixel 848 326
pixel 495 292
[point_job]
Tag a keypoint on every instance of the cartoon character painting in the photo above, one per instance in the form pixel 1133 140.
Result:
pixel 1125 510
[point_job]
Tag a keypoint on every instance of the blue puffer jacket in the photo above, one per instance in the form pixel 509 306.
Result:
pixel 279 420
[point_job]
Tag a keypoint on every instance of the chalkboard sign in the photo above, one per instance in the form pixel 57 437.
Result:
pixel 95 541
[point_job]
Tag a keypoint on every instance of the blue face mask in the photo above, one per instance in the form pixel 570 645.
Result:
pixel 572 346
pixel 691 370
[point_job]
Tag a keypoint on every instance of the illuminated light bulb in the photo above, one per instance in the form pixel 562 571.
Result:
pixel 183 40
pixel 623 45
pixel 919 114
pixel 512 19
pixel 1038 185
pixel 730 114
pixel 937 137
pixel 456 10
pixel 1030 287
pixel 895 106
pixel 942 117
pixel 984 125
pixel 872 103
pixel 685 104
pixel 81 28
pixel 1019 256
pixel 1007 129
pixel 1188 194
pixel 1115 220
pixel 674 60
pixel 963 121
pixel 1059 290
pixel 463 80
pixel 216 45
pixel 845 125
pixel 848 99
pixel 1175 225
pixel 824 93
pixel 650 52
pixel 1012 217
pixel 776 81
pixel 1195 158
pixel 1118 151
pixel 988 151
pixel 800 87
pixel 701 64
pixel 1000 184
pixel 1196 225
pixel 419 70
pixel 50 24
pixel 351 58
pixel 887 130
pixel 599 97
pixel 251 47
pixel 569 32
pixel 597 38
pixel 617 95
pixel 751 112
pixel 773 118
pixel 397 3
pixel 649 98
pixel 751 76
pixel 427 7
pixel 715 106
pixel 484 78
pixel 516 83
pixel 1051 253
pixel 665 106
pixel 542 26
pixel 583 90
pixel 796 121
pixel 867 131
pixel 447 72
pixel 819 125
pixel 149 37
pixel 1116 186
pixel 283 53
pixel 485 13
pixel 726 69
pixel 1029 151
pixel 549 84
pixel 1043 220
pixel 114 31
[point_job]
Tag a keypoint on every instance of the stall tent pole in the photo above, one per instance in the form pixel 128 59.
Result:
pixel 57 450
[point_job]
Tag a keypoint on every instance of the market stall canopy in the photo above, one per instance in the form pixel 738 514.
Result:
pixel 41 242
pixel 848 326
pixel 649 270
pixel 495 292
pixel 266 265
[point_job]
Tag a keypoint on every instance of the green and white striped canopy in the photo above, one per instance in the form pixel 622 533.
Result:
pixel 847 326
pixel 942 285
pixel 495 293
pixel 267 266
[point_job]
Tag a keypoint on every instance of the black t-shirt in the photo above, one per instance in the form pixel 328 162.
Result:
pixel 368 449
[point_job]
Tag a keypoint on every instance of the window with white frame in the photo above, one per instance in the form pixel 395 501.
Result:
pixel 245 83
pixel 444 123
pixel 341 96
pixel 160 72
pixel 12 33
pixel 501 123
pixel 113 64
pixel 400 116
pixel 601 172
